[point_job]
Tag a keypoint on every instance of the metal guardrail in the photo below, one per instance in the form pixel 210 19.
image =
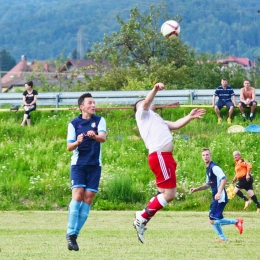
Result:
pixel 188 97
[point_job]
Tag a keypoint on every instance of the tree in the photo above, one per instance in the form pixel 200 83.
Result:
pixel 7 61
pixel 138 52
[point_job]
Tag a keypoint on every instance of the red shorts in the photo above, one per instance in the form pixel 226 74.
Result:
pixel 163 166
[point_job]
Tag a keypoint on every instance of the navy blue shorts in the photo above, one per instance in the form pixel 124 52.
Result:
pixel 87 177
pixel 216 209
pixel 220 103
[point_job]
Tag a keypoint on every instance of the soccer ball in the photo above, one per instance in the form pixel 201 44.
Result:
pixel 170 29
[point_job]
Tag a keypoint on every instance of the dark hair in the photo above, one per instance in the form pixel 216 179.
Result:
pixel 29 83
pixel 224 79
pixel 82 97
pixel 137 103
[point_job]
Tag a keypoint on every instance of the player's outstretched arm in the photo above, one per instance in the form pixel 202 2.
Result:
pixel 150 96
pixel 195 113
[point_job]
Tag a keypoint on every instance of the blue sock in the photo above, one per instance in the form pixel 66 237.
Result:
pixel 218 229
pixel 226 221
pixel 73 216
pixel 83 215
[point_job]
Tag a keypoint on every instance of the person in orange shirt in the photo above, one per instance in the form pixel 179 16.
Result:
pixel 245 180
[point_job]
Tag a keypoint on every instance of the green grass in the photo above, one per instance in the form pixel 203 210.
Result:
pixel 109 235
pixel 35 164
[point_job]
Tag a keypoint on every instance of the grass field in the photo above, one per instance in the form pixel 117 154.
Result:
pixel 37 235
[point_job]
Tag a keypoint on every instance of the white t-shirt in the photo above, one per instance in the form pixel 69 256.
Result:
pixel 153 129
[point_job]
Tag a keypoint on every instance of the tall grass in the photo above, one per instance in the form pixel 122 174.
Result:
pixel 35 164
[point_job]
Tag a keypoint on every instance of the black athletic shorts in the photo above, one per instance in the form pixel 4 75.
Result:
pixel 244 184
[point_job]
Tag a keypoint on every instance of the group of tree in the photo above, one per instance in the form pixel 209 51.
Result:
pixel 40 29
pixel 139 56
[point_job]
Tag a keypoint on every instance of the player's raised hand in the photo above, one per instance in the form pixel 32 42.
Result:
pixel 197 113
pixel 159 86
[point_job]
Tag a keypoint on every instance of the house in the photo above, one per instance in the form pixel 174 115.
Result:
pixel 78 66
pixel 245 63
pixel 17 76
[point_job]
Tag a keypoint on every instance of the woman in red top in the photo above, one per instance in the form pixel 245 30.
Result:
pixel 245 180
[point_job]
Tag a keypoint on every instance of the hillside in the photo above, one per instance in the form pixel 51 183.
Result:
pixel 43 29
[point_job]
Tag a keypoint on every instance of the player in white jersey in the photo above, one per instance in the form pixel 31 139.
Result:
pixel 158 139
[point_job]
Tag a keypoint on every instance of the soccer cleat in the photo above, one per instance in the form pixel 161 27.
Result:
pixel 139 225
pixel 239 225
pixel 219 120
pixel 72 243
pixel 247 203
pixel 229 120
pixel 251 118
pixel 223 240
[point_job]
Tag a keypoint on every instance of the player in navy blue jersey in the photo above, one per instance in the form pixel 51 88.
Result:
pixel 86 133
pixel 226 97
pixel 216 180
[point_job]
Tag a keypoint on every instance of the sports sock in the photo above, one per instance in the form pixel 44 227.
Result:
pixel 254 199
pixel 218 229
pixel 83 215
pixel 73 216
pixel 155 204
pixel 241 195
pixel 251 114
pixel 243 115
pixel 226 221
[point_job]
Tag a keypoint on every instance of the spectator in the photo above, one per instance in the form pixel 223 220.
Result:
pixel 29 102
pixel 225 96
pixel 247 99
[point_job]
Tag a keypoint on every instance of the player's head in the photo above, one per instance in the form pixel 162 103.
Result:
pixel 206 155
pixel 236 155
pixel 82 98
pixel 137 104
pixel 86 103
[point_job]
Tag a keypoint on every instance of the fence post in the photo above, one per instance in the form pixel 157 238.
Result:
pixel 57 101
pixel 192 97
